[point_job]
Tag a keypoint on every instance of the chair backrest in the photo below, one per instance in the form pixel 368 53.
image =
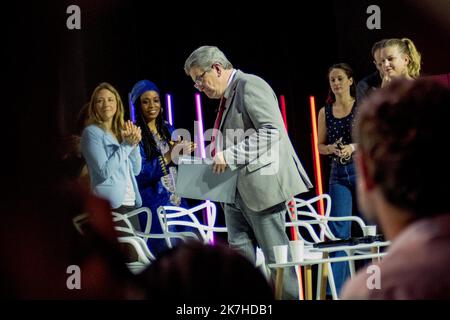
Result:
pixel 80 222
pixel 135 237
pixel 125 218
pixel 306 208
pixel 306 216
pixel 169 216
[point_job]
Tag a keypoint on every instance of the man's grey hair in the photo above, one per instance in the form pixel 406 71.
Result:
pixel 204 57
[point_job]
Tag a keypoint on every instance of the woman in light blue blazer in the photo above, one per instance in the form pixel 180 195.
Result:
pixel 110 148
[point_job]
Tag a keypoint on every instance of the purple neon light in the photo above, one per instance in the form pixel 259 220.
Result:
pixel 169 108
pixel 132 111
pixel 201 145
pixel 201 139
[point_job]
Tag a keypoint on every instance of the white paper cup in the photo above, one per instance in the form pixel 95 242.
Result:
pixel 297 250
pixel 281 253
pixel 370 230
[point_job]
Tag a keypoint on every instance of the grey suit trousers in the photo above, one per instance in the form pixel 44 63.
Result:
pixel 265 229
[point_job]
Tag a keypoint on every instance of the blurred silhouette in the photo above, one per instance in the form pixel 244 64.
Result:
pixel 403 185
pixel 197 272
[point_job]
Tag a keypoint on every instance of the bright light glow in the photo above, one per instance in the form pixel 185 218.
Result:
pixel 283 111
pixel 132 111
pixel 316 155
pixel 200 137
pixel 169 108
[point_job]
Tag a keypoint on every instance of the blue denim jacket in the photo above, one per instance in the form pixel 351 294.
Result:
pixel 107 163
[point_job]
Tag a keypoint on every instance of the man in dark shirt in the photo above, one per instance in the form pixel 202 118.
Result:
pixel 373 81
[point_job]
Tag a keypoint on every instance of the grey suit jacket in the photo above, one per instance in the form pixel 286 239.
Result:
pixel 256 143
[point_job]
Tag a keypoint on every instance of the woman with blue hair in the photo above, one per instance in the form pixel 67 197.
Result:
pixel 157 179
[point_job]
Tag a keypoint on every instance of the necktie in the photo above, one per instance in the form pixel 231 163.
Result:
pixel 216 125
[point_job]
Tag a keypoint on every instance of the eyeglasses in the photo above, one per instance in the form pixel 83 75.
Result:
pixel 199 80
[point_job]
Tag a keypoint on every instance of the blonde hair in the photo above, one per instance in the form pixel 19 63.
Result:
pixel 118 119
pixel 406 46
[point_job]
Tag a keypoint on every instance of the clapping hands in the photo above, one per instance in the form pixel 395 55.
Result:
pixel 131 133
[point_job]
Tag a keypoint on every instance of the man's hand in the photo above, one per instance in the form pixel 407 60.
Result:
pixel 219 165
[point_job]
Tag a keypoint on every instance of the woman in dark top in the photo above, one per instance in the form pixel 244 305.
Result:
pixel 334 139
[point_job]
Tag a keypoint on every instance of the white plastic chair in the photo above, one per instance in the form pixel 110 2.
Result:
pixel 143 254
pixel 169 216
pixel 79 221
pixel 138 239
pixel 306 209
pixel 322 221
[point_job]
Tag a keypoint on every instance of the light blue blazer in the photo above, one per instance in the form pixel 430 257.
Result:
pixel 106 161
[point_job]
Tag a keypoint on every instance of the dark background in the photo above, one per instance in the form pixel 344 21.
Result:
pixel 51 71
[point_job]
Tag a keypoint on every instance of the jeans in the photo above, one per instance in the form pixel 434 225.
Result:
pixel 342 190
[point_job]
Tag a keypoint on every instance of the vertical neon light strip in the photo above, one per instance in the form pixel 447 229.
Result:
pixel 132 111
pixel 169 108
pixel 292 202
pixel 316 155
pixel 201 145
pixel 283 111
pixel 201 140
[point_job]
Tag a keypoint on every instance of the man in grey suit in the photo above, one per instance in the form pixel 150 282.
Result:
pixel 257 145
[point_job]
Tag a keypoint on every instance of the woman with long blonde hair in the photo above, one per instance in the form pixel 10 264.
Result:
pixel 110 148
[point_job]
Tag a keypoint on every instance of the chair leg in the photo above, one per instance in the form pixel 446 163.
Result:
pixel 331 282
pixel 298 272
pixel 308 282
pixel 351 263
pixel 319 289
pixel 279 283
pixel 324 276
pixel 375 250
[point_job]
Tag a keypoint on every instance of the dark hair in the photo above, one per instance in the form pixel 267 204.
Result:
pixel 377 46
pixel 400 128
pixel 207 273
pixel 349 72
pixel 149 143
